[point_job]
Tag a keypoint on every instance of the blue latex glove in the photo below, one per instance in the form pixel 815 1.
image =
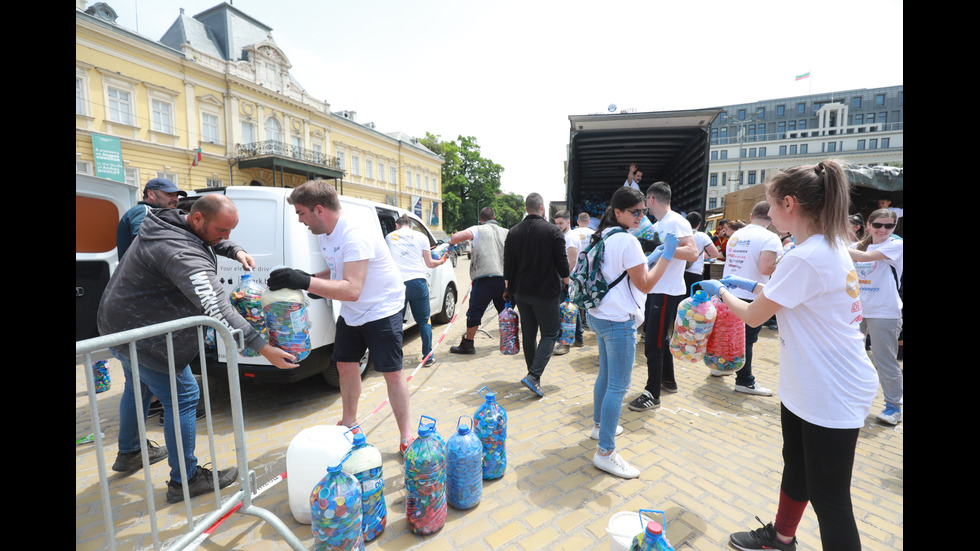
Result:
pixel 670 245
pixel 736 282
pixel 711 286
pixel 653 257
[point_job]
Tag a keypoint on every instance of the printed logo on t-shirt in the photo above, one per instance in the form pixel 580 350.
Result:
pixel 852 285
pixel 865 269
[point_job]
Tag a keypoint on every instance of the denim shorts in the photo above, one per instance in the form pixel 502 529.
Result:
pixel 382 337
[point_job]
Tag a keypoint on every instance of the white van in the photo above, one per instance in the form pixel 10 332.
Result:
pixel 269 230
pixel 99 204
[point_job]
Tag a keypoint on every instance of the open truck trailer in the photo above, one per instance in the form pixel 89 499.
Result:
pixel 669 146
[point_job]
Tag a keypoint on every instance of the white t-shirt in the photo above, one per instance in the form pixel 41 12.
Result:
pixel 879 284
pixel 743 251
pixel 383 293
pixel 825 375
pixel 701 241
pixel 672 282
pixel 578 238
pixel 621 252
pixel 407 247
pixel 633 185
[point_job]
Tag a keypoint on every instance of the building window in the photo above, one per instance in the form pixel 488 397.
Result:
pixel 861 145
pixel 248 132
pixel 886 143
pixel 408 178
pixel 801 108
pixel 355 165
pixel 418 181
pixel 831 147
pixel 120 106
pixel 273 130
pixel 762 152
pixel 210 128
pixel 342 160
pixel 724 154
pixel 81 92
pixel 792 150
pixel 780 110
pixel 858 119
pixel 392 175
pixel 879 100
pixel 713 179
pixel 214 182
pixel 369 169
pixel 714 155
pixel 381 171
pixel 741 114
pixel 761 112
pixel 804 149
pixel 856 102
pixel 873 143
pixel 163 117
pixel 712 202
pixel 751 177
pixel 782 150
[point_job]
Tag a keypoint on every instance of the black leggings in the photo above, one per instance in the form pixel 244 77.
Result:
pixel 817 468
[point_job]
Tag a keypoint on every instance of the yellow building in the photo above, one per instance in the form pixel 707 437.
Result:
pixel 212 104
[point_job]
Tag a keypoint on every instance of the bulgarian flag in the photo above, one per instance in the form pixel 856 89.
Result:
pixel 197 157
pixel 803 76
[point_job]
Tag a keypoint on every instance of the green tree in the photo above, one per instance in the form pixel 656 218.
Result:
pixel 509 208
pixel 469 180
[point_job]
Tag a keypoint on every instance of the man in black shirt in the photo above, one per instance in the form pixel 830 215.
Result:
pixel 535 265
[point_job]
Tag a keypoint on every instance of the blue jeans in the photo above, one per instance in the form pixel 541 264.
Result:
pixel 158 383
pixel 417 297
pixel 617 351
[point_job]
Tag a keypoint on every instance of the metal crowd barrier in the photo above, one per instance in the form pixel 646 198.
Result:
pixel 241 500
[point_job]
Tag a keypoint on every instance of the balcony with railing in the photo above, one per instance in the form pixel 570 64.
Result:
pixel 277 155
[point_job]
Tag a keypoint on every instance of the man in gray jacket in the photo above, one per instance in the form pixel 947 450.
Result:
pixel 169 273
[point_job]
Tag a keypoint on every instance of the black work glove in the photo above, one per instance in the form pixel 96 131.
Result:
pixel 288 278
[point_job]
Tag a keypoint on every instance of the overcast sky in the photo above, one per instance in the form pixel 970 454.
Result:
pixel 510 72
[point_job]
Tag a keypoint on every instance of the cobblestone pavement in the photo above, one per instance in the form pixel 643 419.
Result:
pixel 709 457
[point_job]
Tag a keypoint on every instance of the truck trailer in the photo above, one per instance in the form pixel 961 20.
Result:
pixel 669 146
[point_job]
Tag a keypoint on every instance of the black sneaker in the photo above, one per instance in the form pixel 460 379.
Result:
pixel 669 386
pixel 201 483
pixel 533 383
pixel 466 346
pixel 760 540
pixel 156 408
pixel 133 461
pixel 644 402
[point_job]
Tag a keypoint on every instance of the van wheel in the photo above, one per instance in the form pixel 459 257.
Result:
pixel 448 306
pixel 323 358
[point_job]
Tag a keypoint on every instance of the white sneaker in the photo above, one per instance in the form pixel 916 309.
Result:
pixel 595 432
pixel 756 389
pixel 615 465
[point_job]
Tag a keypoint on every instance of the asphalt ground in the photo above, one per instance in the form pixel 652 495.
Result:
pixel 709 457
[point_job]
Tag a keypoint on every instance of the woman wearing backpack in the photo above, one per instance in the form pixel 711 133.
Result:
pixel 826 381
pixel 615 319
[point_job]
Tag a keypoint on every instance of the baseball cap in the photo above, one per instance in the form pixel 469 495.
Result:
pixel 164 185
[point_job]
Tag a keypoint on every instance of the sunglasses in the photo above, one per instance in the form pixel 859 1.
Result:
pixel 879 225
pixel 638 212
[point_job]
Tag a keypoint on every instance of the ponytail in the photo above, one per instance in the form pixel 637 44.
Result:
pixel 622 199
pixel 823 193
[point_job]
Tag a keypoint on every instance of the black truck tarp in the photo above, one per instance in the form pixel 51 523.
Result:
pixel 672 146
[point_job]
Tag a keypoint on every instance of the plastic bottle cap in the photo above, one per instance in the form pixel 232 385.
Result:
pixel 359 438
pixel 463 429
pixel 654 527
pixel 700 296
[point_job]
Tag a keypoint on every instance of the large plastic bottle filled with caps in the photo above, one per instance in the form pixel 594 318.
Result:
pixel 692 327
pixel 490 425
pixel 335 505
pixel 287 320
pixel 464 462
pixel 365 464
pixel 652 537
pixel 425 480
pixel 725 352
pixel 568 315
pixel 510 344
pixel 246 297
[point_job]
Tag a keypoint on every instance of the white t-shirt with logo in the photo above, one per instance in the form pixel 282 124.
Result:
pixel 621 252
pixel 672 282
pixel 879 283
pixel 742 253
pixel 383 293
pixel 825 375
pixel 407 247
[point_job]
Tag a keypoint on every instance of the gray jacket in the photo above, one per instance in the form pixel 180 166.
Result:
pixel 168 273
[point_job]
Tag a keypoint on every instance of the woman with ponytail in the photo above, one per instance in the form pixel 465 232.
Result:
pixel 617 317
pixel 879 260
pixel 827 382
